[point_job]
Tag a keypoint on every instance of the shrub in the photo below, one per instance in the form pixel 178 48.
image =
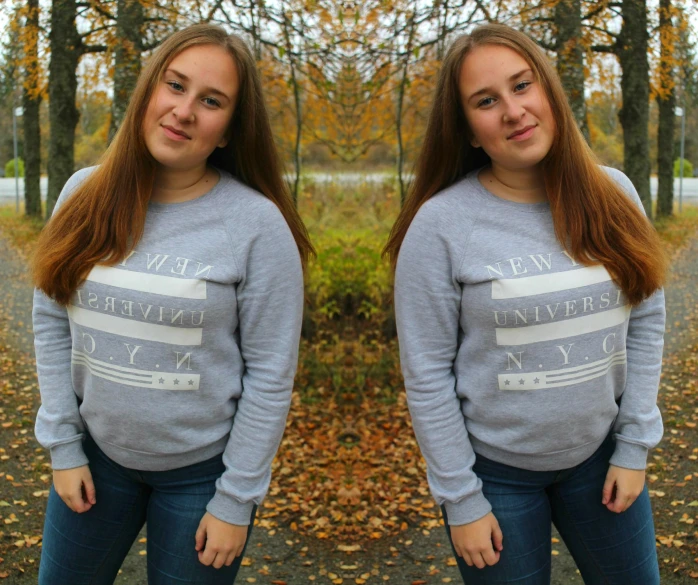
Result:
pixel 687 168
pixel 10 168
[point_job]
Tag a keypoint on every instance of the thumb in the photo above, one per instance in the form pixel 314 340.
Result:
pixel 90 491
pixel 607 492
pixel 497 536
pixel 200 537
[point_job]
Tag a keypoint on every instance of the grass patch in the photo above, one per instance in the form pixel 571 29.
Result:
pixel 20 230
pixel 677 230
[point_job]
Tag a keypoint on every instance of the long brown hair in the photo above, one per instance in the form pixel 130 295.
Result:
pixel 106 216
pixel 594 220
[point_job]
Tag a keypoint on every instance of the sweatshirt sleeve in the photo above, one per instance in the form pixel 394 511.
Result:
pixel 270 309
pixel 638 426
pixel 427 313
pixel 59 426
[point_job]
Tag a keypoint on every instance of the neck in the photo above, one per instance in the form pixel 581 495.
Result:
pixel 172 185
pixel 522 185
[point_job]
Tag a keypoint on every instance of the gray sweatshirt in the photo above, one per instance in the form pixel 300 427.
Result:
pixel 185 350
pixel 512 350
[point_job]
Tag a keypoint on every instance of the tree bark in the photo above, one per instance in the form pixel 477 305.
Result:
pixel 666 101
pixel 634 115
pixel 127 58
pixel 31 99
pixel 63 115
pixel 570 58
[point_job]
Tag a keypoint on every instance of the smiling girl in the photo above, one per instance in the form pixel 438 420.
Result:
pixel 530 319
pixel 167 316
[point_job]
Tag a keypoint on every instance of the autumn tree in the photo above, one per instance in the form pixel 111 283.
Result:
pixel 127 57
pixel 31 101
pixel 570 57
pixel 666 100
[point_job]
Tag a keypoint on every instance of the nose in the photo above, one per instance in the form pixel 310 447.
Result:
pixel 513 109
pixel 184 110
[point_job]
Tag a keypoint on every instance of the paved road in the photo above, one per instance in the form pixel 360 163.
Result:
pixel 7 186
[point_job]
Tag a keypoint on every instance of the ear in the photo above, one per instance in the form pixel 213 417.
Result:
pixel 474 143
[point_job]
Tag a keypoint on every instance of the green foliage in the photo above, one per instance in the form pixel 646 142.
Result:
pixel 349 348
pixel 10 168
pixel 687 168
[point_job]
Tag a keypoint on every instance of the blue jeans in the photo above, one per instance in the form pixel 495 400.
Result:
pixel 609 548
pixel 88 548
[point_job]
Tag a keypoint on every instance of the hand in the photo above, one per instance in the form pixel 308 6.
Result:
pixel 622 487
pixel 479 542
pixel 222 541
pixel 76 488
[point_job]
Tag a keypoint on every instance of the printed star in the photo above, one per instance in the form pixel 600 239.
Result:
pixel 507 382
pixel 176 381
pixel 522 381
pixel 161 380
pixel 191 382
pixel 536 380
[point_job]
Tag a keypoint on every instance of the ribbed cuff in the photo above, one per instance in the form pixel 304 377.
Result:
pixel 468 509
pixel 68 455
pixel 230 510
pixel 629 455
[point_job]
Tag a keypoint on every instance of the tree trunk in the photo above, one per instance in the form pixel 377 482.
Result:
pixel 127 58
pixel 570 58
pixel 666 100
pixel 63 115
pixel 635 84
pixel 31 99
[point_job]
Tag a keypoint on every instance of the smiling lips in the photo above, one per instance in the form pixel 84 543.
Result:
pixel 522 134
pixel 175 134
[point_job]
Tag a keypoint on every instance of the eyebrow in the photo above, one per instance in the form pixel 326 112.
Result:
pixel 212 90
pixel 488 90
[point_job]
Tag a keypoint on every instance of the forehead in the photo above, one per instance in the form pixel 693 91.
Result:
pixel 489 65
pixel 209 65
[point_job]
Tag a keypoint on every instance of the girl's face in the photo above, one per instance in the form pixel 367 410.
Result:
pixel 191 108
pixel 506 107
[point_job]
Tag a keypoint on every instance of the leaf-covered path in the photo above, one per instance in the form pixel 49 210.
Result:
pixel 278 554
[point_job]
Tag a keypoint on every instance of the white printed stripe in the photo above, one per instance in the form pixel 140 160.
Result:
pixel 562 329
pixel 135 329
pixel 558 378
pixel 183 288
pixel 137 378
pixel 574 375
pixel 584 367
pixel 514 288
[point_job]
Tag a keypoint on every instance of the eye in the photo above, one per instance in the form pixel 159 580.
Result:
pixel 522 85
pixel 175 85
pixel 485 102
pixel 212 102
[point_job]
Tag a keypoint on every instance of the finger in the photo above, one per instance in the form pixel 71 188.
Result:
pixel 219 561
pixel 497 537
pixel 230 560
pixel 478 561
pixel 207 556
pixel 607 492
pixel 490 557
pixel 467 559
pixel 90 491
pixel 77 504
pixel 200 537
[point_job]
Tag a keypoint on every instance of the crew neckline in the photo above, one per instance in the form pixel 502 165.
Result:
pixel 540 207
pixel 223 176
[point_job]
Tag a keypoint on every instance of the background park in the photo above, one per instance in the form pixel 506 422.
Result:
pixel 348 86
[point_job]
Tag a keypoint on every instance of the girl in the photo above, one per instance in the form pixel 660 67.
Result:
pixel 530 319
pixel 167 317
